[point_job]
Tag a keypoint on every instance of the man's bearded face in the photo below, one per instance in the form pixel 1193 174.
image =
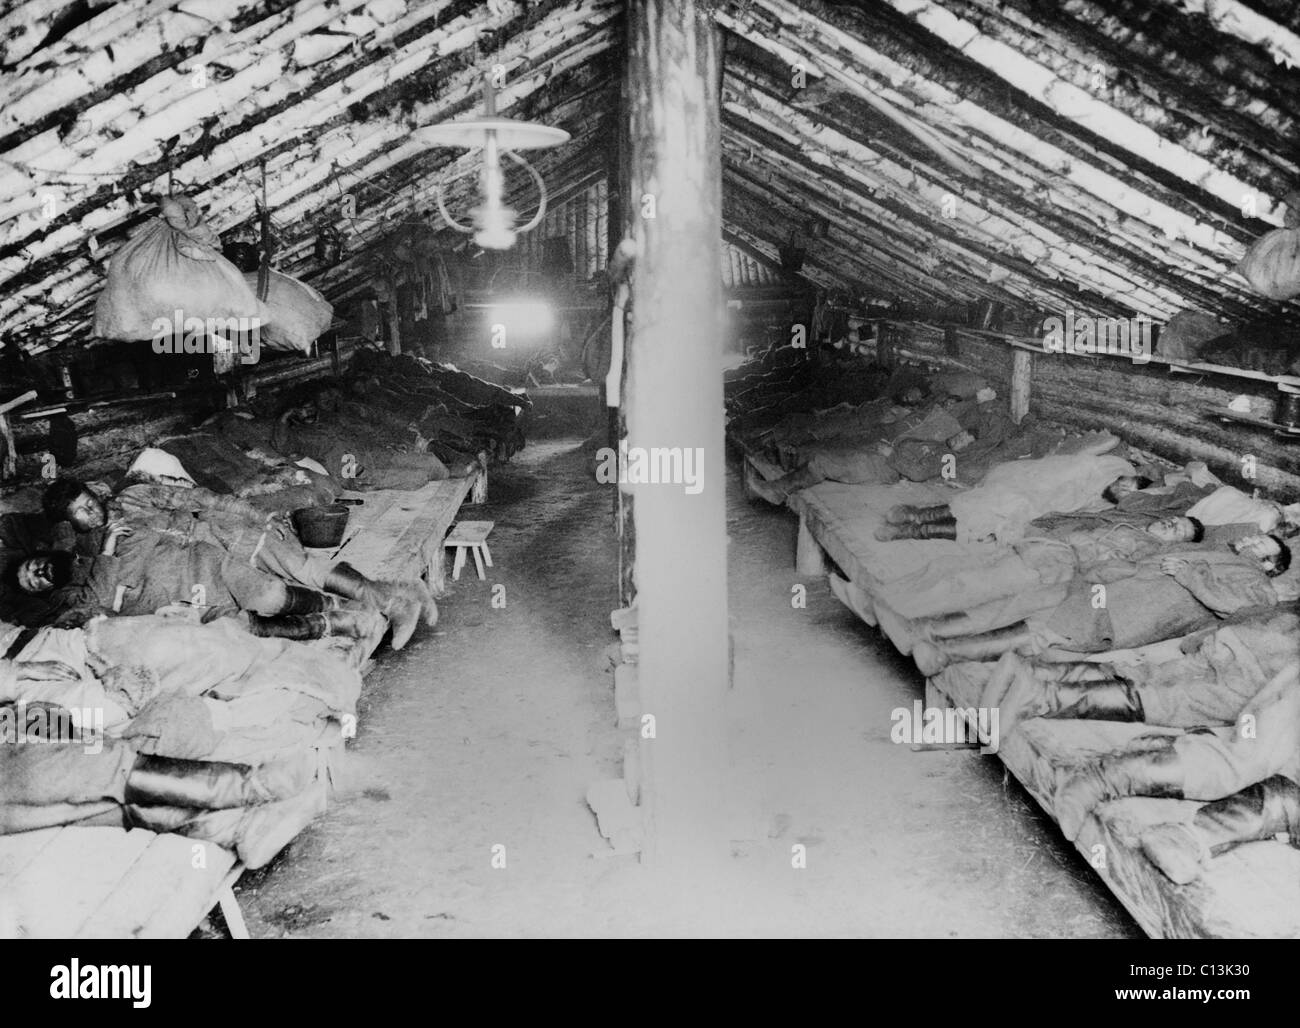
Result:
pixel 87 512
pixel 1261 548
pixel 40 574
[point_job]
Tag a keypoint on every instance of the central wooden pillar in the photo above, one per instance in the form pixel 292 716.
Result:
pixel 675 405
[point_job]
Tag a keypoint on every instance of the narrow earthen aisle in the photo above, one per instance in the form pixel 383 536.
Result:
pixel 480 739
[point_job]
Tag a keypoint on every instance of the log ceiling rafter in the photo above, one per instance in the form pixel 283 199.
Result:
pixel 894 188
pixel 1099 151
pixel 299 177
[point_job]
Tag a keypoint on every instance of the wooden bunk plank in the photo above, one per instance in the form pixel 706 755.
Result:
pixel 163 896
pixel 76 869
pixel 17 851
pixel 1251 892
pixel 423 537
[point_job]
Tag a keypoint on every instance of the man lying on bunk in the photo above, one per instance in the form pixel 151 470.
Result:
pixel 1168 583
pixel 1244 674
pixel 70 766
pixel 156 572
pixel 169 538
pixel 826 376
pixel 1013 494
pixel 913 445
pixel 1222 668
pixel 355 445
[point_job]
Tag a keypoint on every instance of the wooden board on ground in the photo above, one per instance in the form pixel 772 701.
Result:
pixel 109 883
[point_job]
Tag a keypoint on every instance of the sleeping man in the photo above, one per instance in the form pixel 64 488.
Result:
pixel 1122 603
pixel 157 543
pixel 1122 589
pixel 1015 493
pixel 154 572
pixel 1244 674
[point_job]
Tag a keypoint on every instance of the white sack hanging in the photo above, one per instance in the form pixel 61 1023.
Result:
pixel 1272 264
pixel 296 314
pixel 172 264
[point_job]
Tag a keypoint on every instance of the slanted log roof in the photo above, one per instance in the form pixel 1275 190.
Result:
pixel 1117 156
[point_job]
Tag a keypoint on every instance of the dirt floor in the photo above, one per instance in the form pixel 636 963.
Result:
pixel 486 731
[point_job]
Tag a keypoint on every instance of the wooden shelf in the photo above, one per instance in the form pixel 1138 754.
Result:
pixel 1286 383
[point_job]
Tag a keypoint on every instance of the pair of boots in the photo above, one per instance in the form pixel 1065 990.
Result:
pixel 932 657
pixel 403 603
pixel 256 834
pixel 1021 691
pixel 907 522
pixel 308 615
pixel 1182 851
pixel 255 811
pixel 214 784
pixel 1154 772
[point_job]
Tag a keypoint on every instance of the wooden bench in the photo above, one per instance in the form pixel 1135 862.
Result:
pixel 470 537
pixel 107 882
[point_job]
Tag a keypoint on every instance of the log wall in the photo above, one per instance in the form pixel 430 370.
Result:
pixel 1149 406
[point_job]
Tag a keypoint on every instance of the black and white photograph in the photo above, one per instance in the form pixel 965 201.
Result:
pixel 650 470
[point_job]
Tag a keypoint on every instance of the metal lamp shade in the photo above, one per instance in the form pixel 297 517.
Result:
pixel 471 134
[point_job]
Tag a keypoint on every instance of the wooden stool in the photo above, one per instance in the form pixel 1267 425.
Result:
pixel 470 537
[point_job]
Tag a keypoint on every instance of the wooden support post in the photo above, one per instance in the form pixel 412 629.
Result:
pixel 231 912
pixel 1021 375
pixel 808 557
pixel 8 447
pixel 675 401
pixel 620 222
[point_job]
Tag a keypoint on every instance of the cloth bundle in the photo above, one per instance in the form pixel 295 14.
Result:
pixel 1186 334
pixel 296 314
pixel 1272 264
pixel 172 264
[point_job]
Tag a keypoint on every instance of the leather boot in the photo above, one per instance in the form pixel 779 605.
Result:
pixel 345 580
pixel 402 603
pixel 983 647
pixel 353 624
pixel 1182 851
pixel 902 514
pixel 290 626
pixel 941 529
pixel 937 514
pixel 212 784
pixel 1030 697
pixel 256 834
pixel 1004 673
pixel 300 600
pixel 1156 773
pixel 907 514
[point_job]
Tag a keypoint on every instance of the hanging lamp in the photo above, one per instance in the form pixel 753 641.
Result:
pixel 494 225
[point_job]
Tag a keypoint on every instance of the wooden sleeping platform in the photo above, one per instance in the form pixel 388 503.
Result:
pixel 1252 891
pixel 114 883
